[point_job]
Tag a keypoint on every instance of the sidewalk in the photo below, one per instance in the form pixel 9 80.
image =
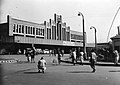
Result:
pixel 22 58
pixel 86 62
pixel 49 59
pixel 8 59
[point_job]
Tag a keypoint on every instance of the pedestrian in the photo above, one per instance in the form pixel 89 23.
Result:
pixel 81 57
pixel 73 56
pixel 27 54
pixel 59 56
pixel 62 52
pixel 19 51
pixel 33 55
pixel 116 55
pixel 93 57
pixel 41 65
pixel 54 61
pixel 78 54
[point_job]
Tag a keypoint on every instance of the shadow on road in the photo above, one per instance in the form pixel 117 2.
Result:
pixel 98 63
pixel 68 65
pixel 115 71
pixel 30 72
pixel 80 72
pixel 102 64
pixel 21 62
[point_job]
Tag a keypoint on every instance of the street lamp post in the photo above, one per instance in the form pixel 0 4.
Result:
pixel 95 37
pixel 84 46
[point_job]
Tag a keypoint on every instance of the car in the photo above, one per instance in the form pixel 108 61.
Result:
pixel 46 51
pixel 39 51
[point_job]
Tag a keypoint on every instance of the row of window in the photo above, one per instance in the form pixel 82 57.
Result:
pixel 77 37
pixel 18 28
pixel 31 30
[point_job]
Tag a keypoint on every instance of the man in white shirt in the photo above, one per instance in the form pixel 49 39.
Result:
pixel 93 60
pixel 73 56
pixel 116 54
pixel 42 65
pixel 81 57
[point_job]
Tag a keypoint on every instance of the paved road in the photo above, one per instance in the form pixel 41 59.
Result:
pixel 23 73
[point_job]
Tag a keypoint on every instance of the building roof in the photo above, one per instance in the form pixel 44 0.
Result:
pixel 115 37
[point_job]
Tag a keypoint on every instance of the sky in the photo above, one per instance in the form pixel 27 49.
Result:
pixel 97 13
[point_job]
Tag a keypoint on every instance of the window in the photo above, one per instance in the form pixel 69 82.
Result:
pixel 77 37
pixel 39 31
pixel 36 31
pixel 22 28
pixel 14 27
pixel 17 28
pixel 43 32
pixel 26 29
pixel 33 30
pixel 48 33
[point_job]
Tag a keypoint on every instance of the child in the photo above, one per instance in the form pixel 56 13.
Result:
pixel 42 65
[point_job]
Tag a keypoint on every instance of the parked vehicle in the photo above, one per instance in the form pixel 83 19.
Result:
pixel 46 51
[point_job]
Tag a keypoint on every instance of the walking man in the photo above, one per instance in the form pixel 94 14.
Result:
pixel 33 55
pixel 116 55
pixel 27 54
pixel 78 54
pixel 59 56
pixel 74 56
pixel 81 57
pixel 93 60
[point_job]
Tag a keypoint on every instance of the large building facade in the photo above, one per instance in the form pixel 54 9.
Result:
pixel 19 34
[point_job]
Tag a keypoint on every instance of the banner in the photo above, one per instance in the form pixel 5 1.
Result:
pixel 68 43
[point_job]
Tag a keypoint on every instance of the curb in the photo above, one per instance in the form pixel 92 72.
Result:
pixel 8 61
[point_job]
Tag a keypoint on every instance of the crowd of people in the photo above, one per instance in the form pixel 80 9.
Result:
pixel 78 55
pixel 30 54
pixel 75 56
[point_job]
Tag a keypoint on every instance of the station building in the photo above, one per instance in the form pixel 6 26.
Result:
pixel 18 34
